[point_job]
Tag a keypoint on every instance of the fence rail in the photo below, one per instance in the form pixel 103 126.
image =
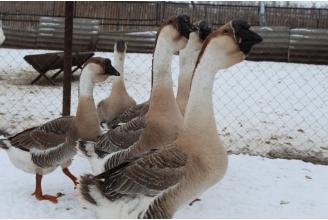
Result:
pixel 280 43
pixel 121 16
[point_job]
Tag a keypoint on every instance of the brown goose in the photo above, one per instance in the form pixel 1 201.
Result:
pixel 40 150
pixel 119 100
pixel 163 120
pixel 187 60
pixel 124 136
pixel 155 183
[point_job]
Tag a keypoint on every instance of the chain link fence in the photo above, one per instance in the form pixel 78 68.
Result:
pixel 262 108
pixel 273 109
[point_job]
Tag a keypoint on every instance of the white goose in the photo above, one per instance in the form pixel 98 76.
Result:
pixel 119 99
pixel 158 182
pixel 163 120
pixel 40 150
pixel 124 136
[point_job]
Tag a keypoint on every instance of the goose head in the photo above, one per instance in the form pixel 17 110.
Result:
pixel 196 37
pixel 203 29
pixel 174 32
pixel 120 46
pixel 98 69
pixel 229 45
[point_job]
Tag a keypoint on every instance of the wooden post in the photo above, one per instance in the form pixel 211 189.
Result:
pixel 69 8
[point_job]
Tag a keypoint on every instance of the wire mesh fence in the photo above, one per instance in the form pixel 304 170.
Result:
pixel 274 109
pixel 263 108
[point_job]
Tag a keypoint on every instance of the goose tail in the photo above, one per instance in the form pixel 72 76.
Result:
pixel 85 148
pixel 4 144
pixel 89 190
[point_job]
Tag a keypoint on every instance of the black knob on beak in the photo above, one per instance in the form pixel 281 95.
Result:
pixel 245 38
pixel 109 69
pixel 204 29
pixel 184 26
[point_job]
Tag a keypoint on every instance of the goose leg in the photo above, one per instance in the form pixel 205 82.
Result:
pixel 70 175
pixel 38 191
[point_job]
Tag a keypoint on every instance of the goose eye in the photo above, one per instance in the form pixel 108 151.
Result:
pixel 224 32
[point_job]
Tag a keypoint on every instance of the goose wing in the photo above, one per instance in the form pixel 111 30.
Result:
pixel 46 136
pixel 130 113
pixel 121 137
pixel 148 174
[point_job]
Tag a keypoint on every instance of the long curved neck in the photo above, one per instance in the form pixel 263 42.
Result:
pixel 87 121
pixel 199 115
pixel 118 83
pixel 162 80
pixel 187 61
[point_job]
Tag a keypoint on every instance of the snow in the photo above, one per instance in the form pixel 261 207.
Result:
pixel 254 187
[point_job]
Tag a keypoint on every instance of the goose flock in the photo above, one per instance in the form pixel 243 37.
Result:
pixel 155 156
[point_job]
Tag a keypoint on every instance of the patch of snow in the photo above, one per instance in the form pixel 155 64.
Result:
pixel 254 187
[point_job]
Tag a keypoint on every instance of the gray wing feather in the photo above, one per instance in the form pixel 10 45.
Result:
pixel 46 136
pixel 131 113
pixel 121 137
pixel 149 174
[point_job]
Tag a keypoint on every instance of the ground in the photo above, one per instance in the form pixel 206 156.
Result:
pixel 254 187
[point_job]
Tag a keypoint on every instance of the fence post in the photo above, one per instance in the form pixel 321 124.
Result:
pixel 69 8
pixel 262 19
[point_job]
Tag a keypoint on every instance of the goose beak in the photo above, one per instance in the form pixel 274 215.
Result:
pixel 245 38
pixel 184 26
pixel 109 69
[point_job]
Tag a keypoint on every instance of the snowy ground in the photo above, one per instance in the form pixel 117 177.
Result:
pixel 254 187
pixel 262 108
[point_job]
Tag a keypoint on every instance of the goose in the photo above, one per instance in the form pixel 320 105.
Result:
pixel 189 55
pixel 162 122
pixel 119 100
pixel 157 182
pixel 2 35
pixel 161 112
pixel 40 150
pixel 187 60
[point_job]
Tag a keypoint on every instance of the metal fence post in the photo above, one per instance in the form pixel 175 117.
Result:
pixel 69 8
pixel 262 20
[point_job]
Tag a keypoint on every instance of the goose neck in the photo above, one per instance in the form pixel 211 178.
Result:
pixel 86 83
pixel 119 63
pixel 199 115
pixel 163 55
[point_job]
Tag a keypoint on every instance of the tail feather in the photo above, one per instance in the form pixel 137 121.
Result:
pixel 85 148
pixel 88 190
pixel 3 144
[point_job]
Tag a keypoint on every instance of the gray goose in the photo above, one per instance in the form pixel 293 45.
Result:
pixel 122 136
pixel 40 150
pixel 157 182
pixel 119 100
pixel 163 120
